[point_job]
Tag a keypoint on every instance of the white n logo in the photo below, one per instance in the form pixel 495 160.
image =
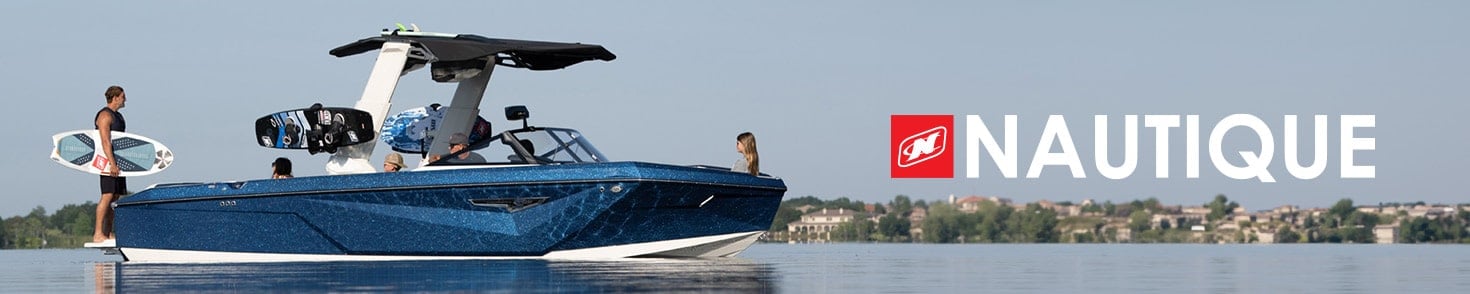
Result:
pixel 922 146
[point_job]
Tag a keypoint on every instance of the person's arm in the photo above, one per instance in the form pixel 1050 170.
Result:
pixel 104 130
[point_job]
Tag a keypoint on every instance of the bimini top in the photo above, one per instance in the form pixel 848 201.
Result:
pixel 533 55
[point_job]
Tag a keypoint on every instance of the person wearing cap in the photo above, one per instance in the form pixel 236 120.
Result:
pixel 458 142
pixel 393 163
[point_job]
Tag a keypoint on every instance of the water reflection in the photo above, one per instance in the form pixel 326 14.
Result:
pixel 105 275
pixel 661 275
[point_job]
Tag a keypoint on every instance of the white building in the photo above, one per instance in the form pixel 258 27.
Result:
pixel 817 226
pixel 1386 234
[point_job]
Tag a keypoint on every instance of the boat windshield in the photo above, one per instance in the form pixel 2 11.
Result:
pixel 547 145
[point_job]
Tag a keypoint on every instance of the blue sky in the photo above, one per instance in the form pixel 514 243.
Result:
pixel 814 80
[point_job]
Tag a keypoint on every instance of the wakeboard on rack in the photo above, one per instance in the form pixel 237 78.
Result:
pixel 315 128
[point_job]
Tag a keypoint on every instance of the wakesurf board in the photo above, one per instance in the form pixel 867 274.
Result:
pixel 408 131
pixel 135 154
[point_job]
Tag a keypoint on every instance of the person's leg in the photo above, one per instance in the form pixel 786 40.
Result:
pixel 120 190
pixel 103 230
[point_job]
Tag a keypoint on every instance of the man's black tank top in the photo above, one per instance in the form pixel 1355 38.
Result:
pixel 118 123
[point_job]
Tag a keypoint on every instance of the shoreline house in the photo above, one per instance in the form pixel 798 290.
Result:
pixel 971 204
pixel 1386 234
pixel 916 220
pixel 816 227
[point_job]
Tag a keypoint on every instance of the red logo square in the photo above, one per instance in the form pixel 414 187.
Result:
pixel 100 162
pixel 921 146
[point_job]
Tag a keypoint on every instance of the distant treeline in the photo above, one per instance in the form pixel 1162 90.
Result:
pixel 69 227
pixel 1101 223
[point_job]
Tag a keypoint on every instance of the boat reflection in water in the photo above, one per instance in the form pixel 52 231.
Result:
pixel 521 275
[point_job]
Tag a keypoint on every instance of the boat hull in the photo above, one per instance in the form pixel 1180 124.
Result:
pixel 699 247
pixel 594 210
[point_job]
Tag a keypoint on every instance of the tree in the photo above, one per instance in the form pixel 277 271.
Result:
pixel 1033 225
pixel 1139 221
pixel 1220 207
pixel 992 226
pixel 4 235
pixel 856 230
pixel 1356 218
pixel 942 224
pixel 1342 208
pixel 893 226
pixel 1286 235
pixel 74 219
pixel 901 205
pixel 804 200
pixel 844 203
pixel 784 215
pixel 1356 235
pixel 1414 230
pixel 1153 204
pixel 1109 208
pixel 27 231
pixel 1136 205
pixel 1441 230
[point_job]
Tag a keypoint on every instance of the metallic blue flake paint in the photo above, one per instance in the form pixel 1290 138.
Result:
pixel 429 213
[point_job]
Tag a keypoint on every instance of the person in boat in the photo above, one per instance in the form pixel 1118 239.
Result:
pixel 530 149
pixel 281 168
pixel 112 183
pixel 751 163
pixel 459 142
pixel 393 162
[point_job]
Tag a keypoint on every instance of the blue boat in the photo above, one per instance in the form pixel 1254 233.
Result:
pixel 543 192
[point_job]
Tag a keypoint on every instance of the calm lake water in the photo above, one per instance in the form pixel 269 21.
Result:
pixel 805 268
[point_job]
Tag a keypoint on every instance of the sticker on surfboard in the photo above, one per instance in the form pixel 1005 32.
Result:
pixel 135 154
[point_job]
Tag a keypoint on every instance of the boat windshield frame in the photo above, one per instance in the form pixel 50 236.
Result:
pixel 569 146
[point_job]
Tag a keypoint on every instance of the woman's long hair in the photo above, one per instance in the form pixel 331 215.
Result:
pixel 752 157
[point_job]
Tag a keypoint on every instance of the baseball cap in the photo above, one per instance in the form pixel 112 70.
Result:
pixel 459 139
pixel 394 159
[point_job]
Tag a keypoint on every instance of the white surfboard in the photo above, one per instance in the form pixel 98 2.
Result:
pixel 136 155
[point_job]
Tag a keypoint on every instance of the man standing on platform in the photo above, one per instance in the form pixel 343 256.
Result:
pixel 113 185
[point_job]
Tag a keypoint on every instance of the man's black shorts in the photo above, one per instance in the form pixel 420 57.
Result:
pixel 114 185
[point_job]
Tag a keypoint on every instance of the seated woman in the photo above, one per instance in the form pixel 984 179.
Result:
pixel 751 159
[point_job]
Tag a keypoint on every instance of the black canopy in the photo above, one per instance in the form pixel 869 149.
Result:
pixel 533 55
